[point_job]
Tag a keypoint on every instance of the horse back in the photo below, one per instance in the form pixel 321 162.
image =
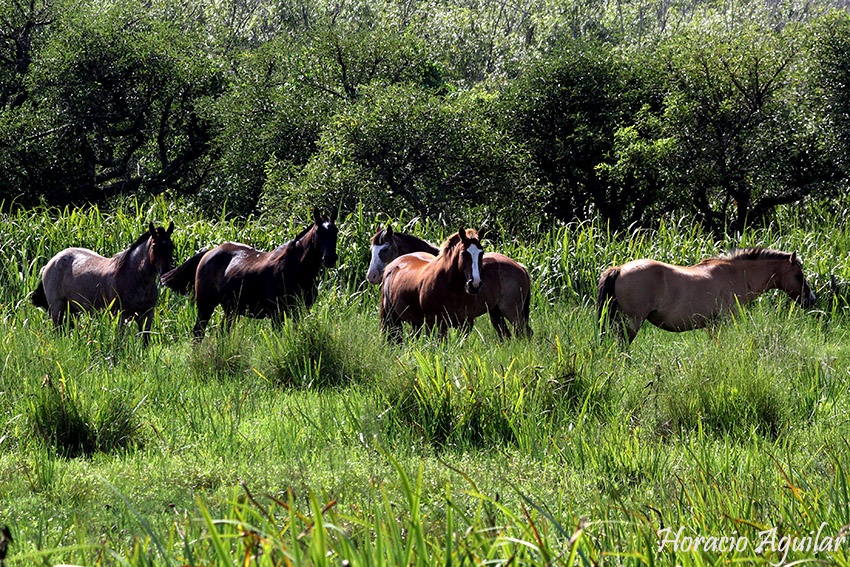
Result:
pixel 81 276
pixel 241 278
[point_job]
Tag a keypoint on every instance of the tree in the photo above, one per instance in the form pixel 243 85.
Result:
pixel 731 111
pixel 21 24
pixel 401 147
pixel 565 109
pixel 829 79
pixel 113 107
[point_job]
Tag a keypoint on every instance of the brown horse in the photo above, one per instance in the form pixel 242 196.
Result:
pixel 77 279
pixel 677 298
pixel 431 291
pixel 505 289
pixel 257 284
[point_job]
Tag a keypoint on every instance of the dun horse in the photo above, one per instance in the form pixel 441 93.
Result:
pixel 258 284
pixel 77 279
pixel 433 291
pixel 677 298
pixel 505 289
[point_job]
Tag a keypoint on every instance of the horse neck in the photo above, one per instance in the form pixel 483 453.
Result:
pixel 309 257
pixel 136 263
pixel 446 265
pixel 406 244
pixel 754 276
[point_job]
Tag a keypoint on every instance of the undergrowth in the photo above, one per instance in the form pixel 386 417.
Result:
pixel 313 441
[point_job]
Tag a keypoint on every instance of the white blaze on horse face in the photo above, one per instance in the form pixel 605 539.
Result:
pixel 376 266
pixel 475 252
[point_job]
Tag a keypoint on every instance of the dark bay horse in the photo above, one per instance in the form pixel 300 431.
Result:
pixel 77 279
pixel 506 285
pixel 433 291
pixel 258 284
pixel 677 298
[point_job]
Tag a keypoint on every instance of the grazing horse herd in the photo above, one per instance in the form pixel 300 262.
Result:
pixel 429 288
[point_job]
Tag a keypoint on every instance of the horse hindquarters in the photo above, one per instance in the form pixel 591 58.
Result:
pixel 506 294
pixel 38 298
pixel 607 307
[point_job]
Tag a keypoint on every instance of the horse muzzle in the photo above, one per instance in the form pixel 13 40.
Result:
pixel 807 300
pixel 329 260
pixel 472 288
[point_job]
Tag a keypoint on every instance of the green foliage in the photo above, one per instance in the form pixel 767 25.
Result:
pixel 628 111
pixel 401 147
pixel 743 146
pixel 830 72
pixel 112 108
pixel 316 442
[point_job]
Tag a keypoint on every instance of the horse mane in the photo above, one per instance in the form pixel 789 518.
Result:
pixel 121 258
pixel 757 253
pixel 454 240
pixel 302 234
pixel 288 244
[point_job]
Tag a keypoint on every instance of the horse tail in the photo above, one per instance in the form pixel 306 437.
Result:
pixel 39 298
pixel 606 300
pixel 182 278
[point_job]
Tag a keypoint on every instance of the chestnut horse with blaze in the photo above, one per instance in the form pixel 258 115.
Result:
pixel 505 283
pixel 681 298
pixel 431 291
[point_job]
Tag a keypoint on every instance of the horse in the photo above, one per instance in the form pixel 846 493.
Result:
pixel 433 291
pixel 678 298
pixel 78 279
pixel 505 290
pixel 246 281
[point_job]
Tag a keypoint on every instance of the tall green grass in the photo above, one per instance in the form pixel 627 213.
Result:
pixel 315 442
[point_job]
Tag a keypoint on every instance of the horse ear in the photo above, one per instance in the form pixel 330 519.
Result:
pixel 793 257
pixel 333 214
pixel 170 228
pixel 462 233
pixel 151 228
pixel 317 215
pixel 482 233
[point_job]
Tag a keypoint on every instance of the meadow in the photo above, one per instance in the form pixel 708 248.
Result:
pixel 317 443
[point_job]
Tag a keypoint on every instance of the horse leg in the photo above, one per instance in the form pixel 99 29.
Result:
pixel 389 323
pixel 497 319
pixel 57 313
pixel 626 329
pixel 204 316
pixel 144 322
pixel 229 319
pixel 62 315
pixel 391 327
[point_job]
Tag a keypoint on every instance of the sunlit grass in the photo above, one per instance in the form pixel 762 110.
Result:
pixel 315 441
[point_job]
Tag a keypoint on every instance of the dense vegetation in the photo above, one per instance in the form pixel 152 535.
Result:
pixel 318 443
pixel 630 110
pixel 581 133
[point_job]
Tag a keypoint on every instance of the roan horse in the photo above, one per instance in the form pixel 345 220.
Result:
pixel 677 298
pixel 258 284
pixel 77 279
pixel 505 289
pixel 433 291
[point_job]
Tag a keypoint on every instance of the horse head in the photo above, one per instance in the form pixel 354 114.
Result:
pixel 792 281
pixel 382 245
pixel 470 259
pixel 326 236
pixel 160 247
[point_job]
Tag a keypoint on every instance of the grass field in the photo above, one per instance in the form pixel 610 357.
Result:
pixel 319 444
